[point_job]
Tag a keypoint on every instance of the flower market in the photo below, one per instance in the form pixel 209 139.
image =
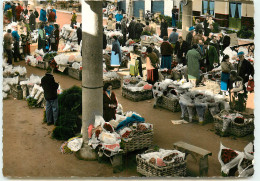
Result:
pixel 168 92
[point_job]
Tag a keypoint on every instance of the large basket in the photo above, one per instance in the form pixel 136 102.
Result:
pixel 116 83
pixel 138 141
pixel 241 130
pixel 169 104
pixel 76 74
pixel 17 92
pixel 218 125
pixel 137 95
pixel 151 170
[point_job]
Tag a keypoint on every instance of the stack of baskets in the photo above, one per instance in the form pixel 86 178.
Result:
pixel 138 141
pixel 234 128
pixel 171 104
pixel 151 170
pixel 137 95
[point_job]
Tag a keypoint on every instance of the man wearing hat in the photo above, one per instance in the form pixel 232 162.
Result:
pixel 166 51
pixel 189 37
pixel 32 20
pixel 244 68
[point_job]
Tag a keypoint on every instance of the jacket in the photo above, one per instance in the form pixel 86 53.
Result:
pixel 226 67
pixel 123 27
pixel 49 86
pixel 189 38
pixel 164 29
pixel 15 36
pixel 8 41
pixel 51 17
pixel 43 15
pixel 245 70
pixel 166 49
pixel 32 19
pixel 211 57
pixel 180 49
pixel 173 37
pixel 109 112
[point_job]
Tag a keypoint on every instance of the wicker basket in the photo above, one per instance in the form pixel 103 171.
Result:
pixel 76 74
pixel 241 130
pixel 116 83
pixel 218 125
pixel 137 95
pixel 169 104
pixel 17 92
pixel 151 170
pixel 138 141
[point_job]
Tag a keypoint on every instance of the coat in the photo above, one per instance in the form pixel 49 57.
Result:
pixel 19 10
pixel 166 49
pixel 123 27
pixel 49 87
pixel 116 48
pixel 189 38
pixel 79 35
pixel 180 49
pixel 55 34
pixel 173 37
pixel 108 112
pixel 193 63
pixel 245 70
pixel 32 21
pixel 138 30
pixel 51 17
pixel 131 30
pixel 8 40
pixel 43 15
pixel 211 57
pixel 154 60
pixel 164 29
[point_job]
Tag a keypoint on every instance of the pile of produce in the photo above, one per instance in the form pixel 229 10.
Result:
pixel 135 84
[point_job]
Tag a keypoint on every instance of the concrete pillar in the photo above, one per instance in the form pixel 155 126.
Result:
pixel 92 72
pixel 186 19
pixel 147 6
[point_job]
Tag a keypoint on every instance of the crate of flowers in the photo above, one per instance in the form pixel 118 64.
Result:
pixel 161 163
pixel 112 78
pixel 233 123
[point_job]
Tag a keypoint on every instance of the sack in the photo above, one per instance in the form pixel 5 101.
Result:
pixel 53 40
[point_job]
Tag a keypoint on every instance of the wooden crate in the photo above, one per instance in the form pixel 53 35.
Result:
pixel 76 74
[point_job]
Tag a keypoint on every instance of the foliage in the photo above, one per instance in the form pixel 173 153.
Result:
pixel 168 19
pixel 216 28
pixel 70 107
pixel 31 102
pixel 49 56
pixel 245 33
pixel 230 31
pixel 146 33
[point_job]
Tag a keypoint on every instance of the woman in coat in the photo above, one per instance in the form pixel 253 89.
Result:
pixel 43 15
pixel 152 62
pixel 55 38
pixel 181 49
pixel 166 51
pixel 109 103
pixel 116 53
pixel 164 28
pixel 225 75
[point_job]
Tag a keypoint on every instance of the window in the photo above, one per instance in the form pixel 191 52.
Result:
pixel 235 10
pixel 208 6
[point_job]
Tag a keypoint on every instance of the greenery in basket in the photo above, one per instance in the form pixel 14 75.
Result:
pixel 146 33
pixel 70 107
pixel 31 102
pixel 245 33
pixel 216 28
pixel 49 56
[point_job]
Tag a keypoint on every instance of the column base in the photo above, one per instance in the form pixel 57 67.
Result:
pixel 86 153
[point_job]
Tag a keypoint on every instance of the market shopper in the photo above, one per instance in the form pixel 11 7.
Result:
pixel 54 38
pixel 226 68
pixel 43 15
pixel 116 55
pixel 51 17
pixel 152 64
pixel 14 12
pixel 155 50
pixel 32 20
pixel 138 29
pixel 189 37
pixel 147 28
pixel 212 58
pixel 41 38
pixel 174 37
pixel 124 30
pixel 244 68
pixel 131 29
pixel 79 33
pixel 181 49
pixel 166 52
pixel 164 28
pixel 198 26
pixel 206 25
pixel 139 62
pixel 193 63
pixel 16 39
pixel 174 16
pixel 19 10
pixel 50 94
pixel 73 20
pixel 109 103
pixel 8 46
pixel 118 17
pixel 197 37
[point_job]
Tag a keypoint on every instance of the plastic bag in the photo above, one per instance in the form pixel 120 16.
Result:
pixel 75 144
pixel 230 160
pixel 99 120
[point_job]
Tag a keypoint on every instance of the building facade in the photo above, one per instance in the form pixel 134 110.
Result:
pixel 227 13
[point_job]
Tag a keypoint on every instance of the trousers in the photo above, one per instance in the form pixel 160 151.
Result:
pixel 52 110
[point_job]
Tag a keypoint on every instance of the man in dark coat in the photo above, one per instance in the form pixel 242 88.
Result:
pixel 164 28
pixel 8 45
pixel 16 39
pixel 166 51
pixel 211 56
pixel 50 93
pixel 55 38
pixel 138 29
pixel 32 20
pixel 124 30
pixel 79 33
pixel 14 12
pixel 131 29
pixel 181 49
pixel 189 37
